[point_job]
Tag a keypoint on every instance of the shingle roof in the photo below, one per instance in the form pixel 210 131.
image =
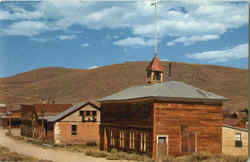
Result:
pixel 66 112
pixel 170 89
pixel 155 65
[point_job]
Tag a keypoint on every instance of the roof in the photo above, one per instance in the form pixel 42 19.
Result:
pixel 233 122
pixel 237 128
pixel 167 90
pixel 50 108
pixel 155 65
pixel 69 111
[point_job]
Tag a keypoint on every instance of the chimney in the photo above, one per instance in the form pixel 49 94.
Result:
pixel 169 70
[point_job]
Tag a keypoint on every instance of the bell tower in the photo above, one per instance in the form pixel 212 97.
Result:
pixel 155 71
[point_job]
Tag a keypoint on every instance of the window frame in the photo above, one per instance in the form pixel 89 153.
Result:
pixel 73 130
pixel 238 140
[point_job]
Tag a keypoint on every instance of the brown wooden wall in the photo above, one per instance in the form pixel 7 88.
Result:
pixel 179 120
pixel 126 117
pixel 127 113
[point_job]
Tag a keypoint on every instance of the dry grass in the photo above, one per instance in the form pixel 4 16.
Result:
pixel 205 157
pixel 77 148
pixel 6 155
pixel 76 85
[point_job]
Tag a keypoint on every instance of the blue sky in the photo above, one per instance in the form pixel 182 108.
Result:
pixel 83 35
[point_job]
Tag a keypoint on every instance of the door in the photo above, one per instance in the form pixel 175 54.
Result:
pixel 188 140
pixel 161 146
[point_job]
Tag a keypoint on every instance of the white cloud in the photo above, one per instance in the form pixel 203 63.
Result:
pixel 237 52
pixel 85 45
pixel 26 28
pixel 193 39
pixel 199 19
pixel 40 40
pixel 93 67
pixel 134 41
pixel 67 37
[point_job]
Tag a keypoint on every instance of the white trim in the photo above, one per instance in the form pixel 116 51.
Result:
pixel 161 136
pixel 166 136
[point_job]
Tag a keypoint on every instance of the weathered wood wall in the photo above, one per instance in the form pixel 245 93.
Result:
pixel 126 118
pixel 204 121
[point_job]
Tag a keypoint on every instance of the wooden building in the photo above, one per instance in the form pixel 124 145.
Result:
pixel 75 124
pixel 235 140
pixel 162 118
pixel 11 118
pixel 32 123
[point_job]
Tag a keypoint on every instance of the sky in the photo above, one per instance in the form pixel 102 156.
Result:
pixel 85 35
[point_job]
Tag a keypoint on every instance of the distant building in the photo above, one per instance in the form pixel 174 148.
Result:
pixel 75 124
pixel 162 118
pixel 235 140
pixel 32 124
pixel 10 117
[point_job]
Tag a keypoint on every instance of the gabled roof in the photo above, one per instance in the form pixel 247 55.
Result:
pixel 166 90
pixel 69 111
pixel 237 128
pixel 50 108
pixel 155 65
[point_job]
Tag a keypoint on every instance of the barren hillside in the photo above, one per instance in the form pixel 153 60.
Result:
pixel 74 85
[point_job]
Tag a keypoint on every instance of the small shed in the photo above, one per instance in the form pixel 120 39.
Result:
pixel 234 140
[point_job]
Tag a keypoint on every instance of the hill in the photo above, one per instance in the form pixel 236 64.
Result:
pixel 75 85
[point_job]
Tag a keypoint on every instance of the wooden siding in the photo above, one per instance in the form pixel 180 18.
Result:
pixel 126 118
pixel 228 142
pixel 203 121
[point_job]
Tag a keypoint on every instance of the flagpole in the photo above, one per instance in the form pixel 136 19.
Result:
pixel 156 19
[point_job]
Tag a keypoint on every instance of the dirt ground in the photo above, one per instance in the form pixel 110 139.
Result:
pixel 46 154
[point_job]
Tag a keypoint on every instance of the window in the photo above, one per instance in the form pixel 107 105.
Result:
pixel 157 75
pixel 131 139
pixel 143 147
pixel 148 74
pixel 238 140
pixel 74 130
pixel 112 138
pixel 81 113
pixel 121 138
pixel 87 113
pixel 94 115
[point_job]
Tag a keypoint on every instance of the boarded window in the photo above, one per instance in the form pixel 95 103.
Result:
pixel 238 140
pixel 112 137
pixel 122 139
pixel 131 139
pixel 74 130
pixel 143 146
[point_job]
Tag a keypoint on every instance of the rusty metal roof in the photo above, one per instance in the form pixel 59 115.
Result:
pixel 167 90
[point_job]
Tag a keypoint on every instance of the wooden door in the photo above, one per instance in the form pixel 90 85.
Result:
pixel 188 142
pixel 161 147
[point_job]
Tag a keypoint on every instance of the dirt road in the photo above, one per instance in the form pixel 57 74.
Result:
pixel 47 154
